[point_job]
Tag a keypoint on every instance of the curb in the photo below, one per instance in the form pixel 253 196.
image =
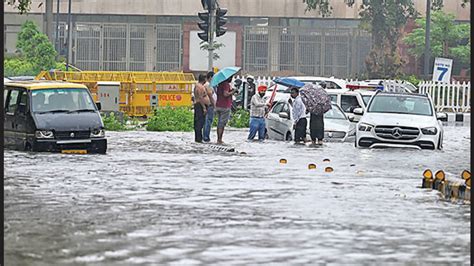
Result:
pixel 458 117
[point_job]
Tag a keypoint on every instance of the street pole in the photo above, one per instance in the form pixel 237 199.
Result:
pixel 427 39
pixel 68 47
pixel 49 19
pixel 211 37
pixel 56 39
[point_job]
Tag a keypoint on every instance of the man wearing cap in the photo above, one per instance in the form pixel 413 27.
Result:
pixel 257 114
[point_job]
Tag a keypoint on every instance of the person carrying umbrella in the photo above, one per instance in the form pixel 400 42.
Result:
pixel 317 103
pixel 222 80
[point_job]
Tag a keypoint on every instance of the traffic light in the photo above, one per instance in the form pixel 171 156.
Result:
pixel 204 26
pixel 221 21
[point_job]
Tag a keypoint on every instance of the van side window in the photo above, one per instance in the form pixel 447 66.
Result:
pixel 349 103
pixel 23 101
pixel 12 103
pixel 5 94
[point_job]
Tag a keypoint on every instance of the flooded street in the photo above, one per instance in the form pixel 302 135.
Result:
pixel 158 198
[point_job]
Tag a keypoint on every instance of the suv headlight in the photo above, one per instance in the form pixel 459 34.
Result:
pixel 97 133
pixel 429 131
pixel 365 127
pixel 44 134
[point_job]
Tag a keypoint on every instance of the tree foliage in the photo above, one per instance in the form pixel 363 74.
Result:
pixel 384 19
pixel 23 6
pixel 447 39
pixel 36 53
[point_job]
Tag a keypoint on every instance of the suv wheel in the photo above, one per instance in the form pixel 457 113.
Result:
pixel 288 136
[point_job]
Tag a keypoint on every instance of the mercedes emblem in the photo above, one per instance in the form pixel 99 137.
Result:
pixel 396 132
pixel 72 135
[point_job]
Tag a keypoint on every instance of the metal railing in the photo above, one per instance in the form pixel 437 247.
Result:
pixel 454 96
pixel 126 46
pixel 307 51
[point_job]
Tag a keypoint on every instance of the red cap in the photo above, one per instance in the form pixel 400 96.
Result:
pixel 262 88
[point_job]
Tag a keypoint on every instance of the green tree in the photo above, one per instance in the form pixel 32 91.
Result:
pixel 23 6
pixel 36 53
pixel 447 39
pixel 384 19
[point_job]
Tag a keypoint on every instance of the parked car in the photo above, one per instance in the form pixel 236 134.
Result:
pixel 282 93
pixel 52 116
pixel 279 123
pixel 332 83
pixel 401 85
pixel 350 100
pixel 399 120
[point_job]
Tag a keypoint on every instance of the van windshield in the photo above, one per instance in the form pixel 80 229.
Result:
pixel 61 100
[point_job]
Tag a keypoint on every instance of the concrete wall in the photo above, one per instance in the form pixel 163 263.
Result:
pixel 242 8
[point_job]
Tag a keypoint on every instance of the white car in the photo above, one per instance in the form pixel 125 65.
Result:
pixel 399 120
pixel 332 83
pixel 279 123
pixel 283 92
pixel 350 100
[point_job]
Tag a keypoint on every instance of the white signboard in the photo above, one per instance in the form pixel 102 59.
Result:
pixel 442 69
pixel 198 59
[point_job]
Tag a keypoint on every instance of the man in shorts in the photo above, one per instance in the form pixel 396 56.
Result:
pixel 223 107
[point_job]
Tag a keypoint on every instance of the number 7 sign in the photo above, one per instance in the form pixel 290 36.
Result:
pixel 442 69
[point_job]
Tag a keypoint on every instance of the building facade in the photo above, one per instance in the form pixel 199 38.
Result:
pixel 264 37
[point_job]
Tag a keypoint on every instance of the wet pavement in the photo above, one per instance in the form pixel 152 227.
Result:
pixel 158 198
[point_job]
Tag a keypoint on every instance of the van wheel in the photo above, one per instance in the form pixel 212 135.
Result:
pixel 288 136
pixel 266 134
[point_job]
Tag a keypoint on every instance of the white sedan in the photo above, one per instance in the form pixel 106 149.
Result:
pixel 337 126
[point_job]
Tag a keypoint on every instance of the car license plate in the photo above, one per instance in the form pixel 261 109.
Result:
pixel 74 151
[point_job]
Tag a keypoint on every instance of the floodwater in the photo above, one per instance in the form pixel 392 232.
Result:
pixel 158 198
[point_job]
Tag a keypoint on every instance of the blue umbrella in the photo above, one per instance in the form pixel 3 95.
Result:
pixel 223 75
pixel 289 82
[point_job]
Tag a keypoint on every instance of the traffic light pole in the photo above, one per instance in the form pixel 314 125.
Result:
pixel 427 41
pixel 210 48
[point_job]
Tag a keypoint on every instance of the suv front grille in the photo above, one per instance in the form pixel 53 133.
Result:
pixel 72 134
pixel 397 133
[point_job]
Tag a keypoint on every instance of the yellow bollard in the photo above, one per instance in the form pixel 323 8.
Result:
pixel 427 179
pixel 427 174
pixel 311 166
pixel 465 174
pixel 283 161
pixel 328 169
pixel 440 175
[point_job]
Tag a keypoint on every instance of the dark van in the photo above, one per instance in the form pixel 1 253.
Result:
pixel 52 116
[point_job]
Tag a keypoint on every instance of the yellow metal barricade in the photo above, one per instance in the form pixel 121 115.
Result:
pixel 140 92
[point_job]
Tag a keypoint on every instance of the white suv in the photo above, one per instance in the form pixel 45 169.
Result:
pixel 399 120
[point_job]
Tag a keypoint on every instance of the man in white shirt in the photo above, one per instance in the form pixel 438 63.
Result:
pixel 299 116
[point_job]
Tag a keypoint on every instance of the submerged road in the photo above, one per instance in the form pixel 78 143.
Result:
pixel 158 198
